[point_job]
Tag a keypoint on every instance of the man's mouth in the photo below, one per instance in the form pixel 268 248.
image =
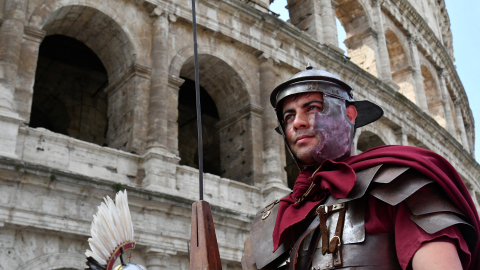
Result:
pixel 303 138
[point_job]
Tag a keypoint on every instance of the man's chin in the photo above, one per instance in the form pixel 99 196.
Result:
pixel 305 159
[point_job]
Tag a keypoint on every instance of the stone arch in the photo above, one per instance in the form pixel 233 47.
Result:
pixel 221 81
pixel 367 140
pixel 186 54
pixel 361 39
pixel 402 72
pixel 396 51
pixel 237 116
pixel 101 29
pixel 107 31
pixel 434 96
pixel 353 16
pixel 56 261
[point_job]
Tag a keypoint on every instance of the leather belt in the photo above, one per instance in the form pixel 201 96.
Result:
pixel 375 253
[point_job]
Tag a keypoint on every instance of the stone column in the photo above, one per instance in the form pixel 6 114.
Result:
pixel 460 124
pixel 11 35
pixel 306 16
pixel 157 114
pixel 275 184
pixel 363 50
pixel 420 96
pixel 383 64
pixel 140 123
pixel 156 259
pixel 446 104
pixel 272 141
pixel 470 139
pixel 327 8
pixel 26 72
pixel 159 163
pixel 402 136
pixel 128 109
pixel 174 84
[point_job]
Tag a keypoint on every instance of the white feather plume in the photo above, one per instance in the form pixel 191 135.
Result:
pixel 111 226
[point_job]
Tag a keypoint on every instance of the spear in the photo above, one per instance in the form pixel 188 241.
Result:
pixel 204 254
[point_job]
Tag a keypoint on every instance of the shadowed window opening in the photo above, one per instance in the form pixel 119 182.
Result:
pixel 368 140
pixel 68 93
pixel 187 129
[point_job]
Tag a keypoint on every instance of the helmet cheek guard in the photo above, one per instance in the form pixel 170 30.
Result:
pixel 335 131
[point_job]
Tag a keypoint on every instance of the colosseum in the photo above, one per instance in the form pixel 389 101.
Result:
pixel 98 95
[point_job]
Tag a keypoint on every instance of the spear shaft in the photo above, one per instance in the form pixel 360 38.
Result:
pixel 199 109
pixel 204 253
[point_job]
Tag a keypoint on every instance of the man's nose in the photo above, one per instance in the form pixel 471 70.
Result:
pixel 301 121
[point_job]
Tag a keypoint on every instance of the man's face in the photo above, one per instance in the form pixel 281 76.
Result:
pixel 298 116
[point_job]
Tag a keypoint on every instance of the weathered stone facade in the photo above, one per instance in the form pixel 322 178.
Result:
pixel 90 96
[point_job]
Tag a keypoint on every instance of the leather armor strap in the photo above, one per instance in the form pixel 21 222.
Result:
pixel 322 212
pixel 319 229
pixel 294 253
pixel 336 239
pixel 335 246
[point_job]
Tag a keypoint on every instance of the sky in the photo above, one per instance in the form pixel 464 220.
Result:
pixel 466 39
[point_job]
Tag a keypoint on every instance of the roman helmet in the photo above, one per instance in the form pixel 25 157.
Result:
pixel 332 125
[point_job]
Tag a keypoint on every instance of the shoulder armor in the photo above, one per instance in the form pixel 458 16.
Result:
pixel 261 237
pixel 387 173
pixel 431 209
pixel 400 188
pixel 364 178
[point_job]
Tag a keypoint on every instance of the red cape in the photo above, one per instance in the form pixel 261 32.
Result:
pixel 426 162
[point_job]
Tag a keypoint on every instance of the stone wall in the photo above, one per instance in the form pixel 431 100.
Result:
pixel 51 183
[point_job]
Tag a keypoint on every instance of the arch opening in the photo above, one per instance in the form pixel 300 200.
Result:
pixel 434 98
pixel 360 40
pixel 115 98
pixel 187 129
pixel 68 97
pixel 341 35
pixel 230 127
pixel 96 30
pixel 402 73
pixel 367 140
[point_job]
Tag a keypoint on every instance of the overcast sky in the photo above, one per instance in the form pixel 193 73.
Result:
pixel 466 45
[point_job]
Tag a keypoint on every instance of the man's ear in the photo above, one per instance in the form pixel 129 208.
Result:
pixel 351 113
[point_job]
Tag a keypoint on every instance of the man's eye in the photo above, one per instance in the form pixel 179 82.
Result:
pixel 311 108
pixel 288 117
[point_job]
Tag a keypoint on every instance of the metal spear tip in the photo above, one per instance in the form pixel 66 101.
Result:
pixel 309 66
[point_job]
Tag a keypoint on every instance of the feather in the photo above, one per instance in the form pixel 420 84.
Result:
pixel 111 226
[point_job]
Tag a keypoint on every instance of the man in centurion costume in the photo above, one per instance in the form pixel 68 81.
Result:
pixel 391 207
